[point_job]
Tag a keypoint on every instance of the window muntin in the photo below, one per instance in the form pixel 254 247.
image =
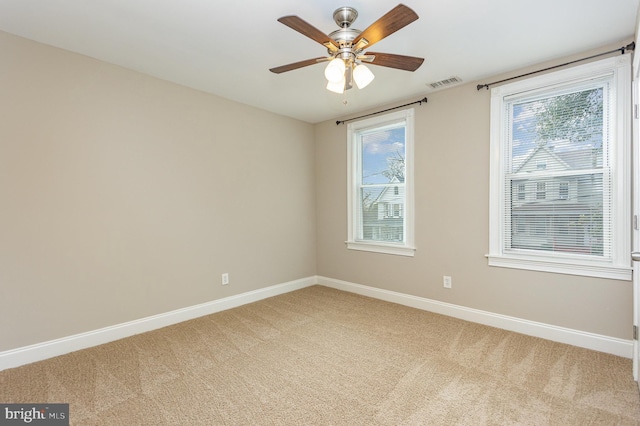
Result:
pixel 380 187
pixel 560 142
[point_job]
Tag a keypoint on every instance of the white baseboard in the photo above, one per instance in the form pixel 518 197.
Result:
pixel 597 342
pixel 40 351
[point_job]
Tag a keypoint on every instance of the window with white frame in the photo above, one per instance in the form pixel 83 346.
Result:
pixel 380 184
pixel 565 135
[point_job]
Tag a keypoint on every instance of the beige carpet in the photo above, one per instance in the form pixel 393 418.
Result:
pixel 322 356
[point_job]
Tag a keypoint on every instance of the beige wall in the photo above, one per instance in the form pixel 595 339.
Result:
pixel 452 227
pixel 125 196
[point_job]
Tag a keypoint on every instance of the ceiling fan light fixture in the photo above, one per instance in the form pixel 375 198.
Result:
pixel 345 47
pixel 362 75
pixel 334 72
pixel 337 86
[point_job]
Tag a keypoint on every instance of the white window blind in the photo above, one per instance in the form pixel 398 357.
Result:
pixel 558 174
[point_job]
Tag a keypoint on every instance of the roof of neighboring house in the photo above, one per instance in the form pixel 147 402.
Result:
pixel 575 159
pixel 384 191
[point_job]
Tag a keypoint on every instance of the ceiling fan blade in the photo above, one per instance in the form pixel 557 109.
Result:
pixel 305 28
pixel 397 18
pixel 296 65
pixel 401 62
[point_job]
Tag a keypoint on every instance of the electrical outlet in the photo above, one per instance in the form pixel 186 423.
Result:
pixel 446 281
pixel 225 278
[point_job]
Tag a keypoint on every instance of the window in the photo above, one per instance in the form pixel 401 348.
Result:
pixel 522 191
pixel 380 184
pixel 563 191
pixel 541 191
pixel 566 136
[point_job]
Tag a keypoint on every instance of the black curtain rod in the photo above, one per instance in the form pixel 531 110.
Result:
pixel 339 122
pixel 622 50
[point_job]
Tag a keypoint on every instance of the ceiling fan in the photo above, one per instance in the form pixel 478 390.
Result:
pixel 345 47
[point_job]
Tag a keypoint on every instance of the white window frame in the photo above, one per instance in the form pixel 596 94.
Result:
pixel 354 242
pixel 619 267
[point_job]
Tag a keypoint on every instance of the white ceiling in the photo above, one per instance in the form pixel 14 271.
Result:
pixel 227 47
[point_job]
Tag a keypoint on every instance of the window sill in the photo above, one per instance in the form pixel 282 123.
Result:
pixel 588 269
pixel 379 247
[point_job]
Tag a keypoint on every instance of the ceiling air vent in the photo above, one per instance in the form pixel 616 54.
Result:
pixel 444 83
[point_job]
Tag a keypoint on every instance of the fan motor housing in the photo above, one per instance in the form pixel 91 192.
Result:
pixel 345 36
pixel 344 17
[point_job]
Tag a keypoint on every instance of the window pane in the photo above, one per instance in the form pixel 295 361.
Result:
pixel 383 154
pixel 382 213
pixel 569 222
pixel 558 133
pixel 556 179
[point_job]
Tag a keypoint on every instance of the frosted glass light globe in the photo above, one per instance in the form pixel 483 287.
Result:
pixel 336 87
pixel 335 70
pixel 362 75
